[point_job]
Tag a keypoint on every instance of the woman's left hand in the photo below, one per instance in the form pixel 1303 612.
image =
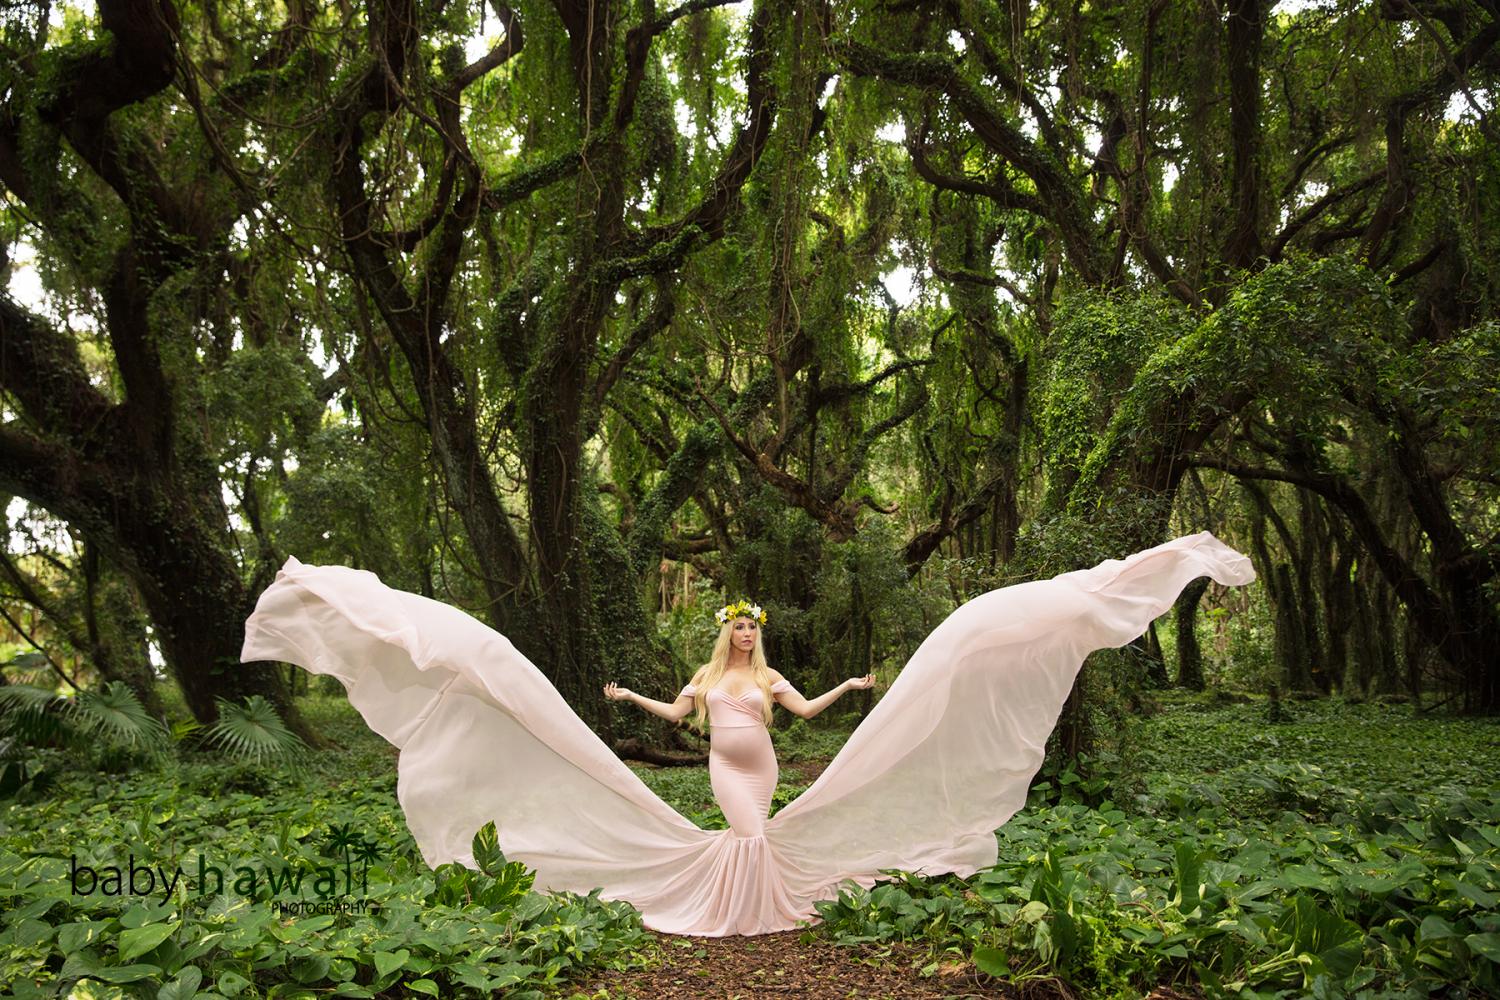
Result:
pixel 860 683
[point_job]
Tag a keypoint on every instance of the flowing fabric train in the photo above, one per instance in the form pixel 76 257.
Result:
pixel 944 758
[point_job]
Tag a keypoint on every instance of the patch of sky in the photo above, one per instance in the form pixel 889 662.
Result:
pixel 686 126
pixel 1028 124
pixel 24 285
pixel 86 8
pixel 40 527
pixel 1310 192
pixel 903 284
pixel 1461 108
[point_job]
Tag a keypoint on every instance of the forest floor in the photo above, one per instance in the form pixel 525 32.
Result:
pixel 1307 816
pixel 813 964
pixel 797 964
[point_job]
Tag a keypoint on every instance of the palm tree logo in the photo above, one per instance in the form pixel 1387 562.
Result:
pixel 368 851
pixel 341 838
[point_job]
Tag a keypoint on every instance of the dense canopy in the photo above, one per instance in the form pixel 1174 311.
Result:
pixel 586 316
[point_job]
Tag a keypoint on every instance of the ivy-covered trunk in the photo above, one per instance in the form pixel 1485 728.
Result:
pixel 128 463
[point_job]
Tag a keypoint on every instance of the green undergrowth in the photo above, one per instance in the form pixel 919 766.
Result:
pixel 410 930
pixel 1351 851
pixel 1348 851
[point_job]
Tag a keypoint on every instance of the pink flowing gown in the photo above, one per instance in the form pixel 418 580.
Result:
pixel 741 762
pixel 944 758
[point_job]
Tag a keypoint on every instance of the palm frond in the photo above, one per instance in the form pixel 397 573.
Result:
pixel 118 715
pixel 253 731
pixel 33 715
pixel 25 698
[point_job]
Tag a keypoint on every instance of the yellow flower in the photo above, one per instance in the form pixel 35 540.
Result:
pixel 740 609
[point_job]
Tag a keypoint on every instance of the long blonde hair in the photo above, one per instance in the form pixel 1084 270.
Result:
pixel 709 675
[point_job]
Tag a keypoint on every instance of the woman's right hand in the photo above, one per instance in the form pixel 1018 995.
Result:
pixel 614 692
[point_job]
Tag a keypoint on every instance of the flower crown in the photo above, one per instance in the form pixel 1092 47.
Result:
pixel 740 609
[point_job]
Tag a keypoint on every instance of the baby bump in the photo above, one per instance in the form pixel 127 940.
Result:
pixel 742 770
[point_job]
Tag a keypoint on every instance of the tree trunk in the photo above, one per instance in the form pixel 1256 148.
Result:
pixel 1338 599
pixel 1291 649
pixel 167 534
pixel 1303 564
pixel 198 604
pixel 1246 29
pixel 1189 653
pixel 1154 661
pixel 129 469
pixel 117 633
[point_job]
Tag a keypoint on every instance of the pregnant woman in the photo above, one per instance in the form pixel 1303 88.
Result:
pixel 945 757
pixel 735 687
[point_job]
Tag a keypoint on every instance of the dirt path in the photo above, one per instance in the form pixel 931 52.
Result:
pixel 782 965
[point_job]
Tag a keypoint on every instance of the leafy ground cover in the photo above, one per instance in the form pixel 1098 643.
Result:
pixel 1349 851
pixel 411 930
pixel 1352 850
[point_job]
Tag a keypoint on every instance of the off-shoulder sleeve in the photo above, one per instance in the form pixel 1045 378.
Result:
pixel 780 686
pixel 690 691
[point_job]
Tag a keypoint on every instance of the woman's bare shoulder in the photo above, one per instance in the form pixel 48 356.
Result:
pixel 775 675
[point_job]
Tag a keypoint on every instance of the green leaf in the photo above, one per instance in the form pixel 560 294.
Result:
pixel 77 966
pixel 1487 945
pixel 31 933
pixel 423 986
pixel 139 940
pixel 1032 912
pixel 231 984
pixel 486 850
pixel 125 973
pixel 1188 872
pixel 1305 877
pixel 1488 900
pixel 253 731
pixel 1435 928
pixel 115 713
pixel 184 987
pixel 136 915
pixel 1374 884
pixel 1336 942
pixel 309 968
pixel 387 962
pixel 991 961
pixel 71 937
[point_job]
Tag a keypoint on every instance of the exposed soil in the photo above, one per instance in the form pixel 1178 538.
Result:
pixel 784 965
